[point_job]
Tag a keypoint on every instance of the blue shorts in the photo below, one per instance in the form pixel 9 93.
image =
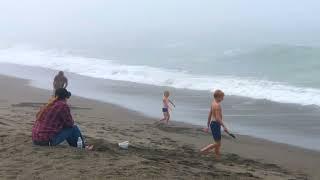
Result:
pixel 216 130
pixel 164 110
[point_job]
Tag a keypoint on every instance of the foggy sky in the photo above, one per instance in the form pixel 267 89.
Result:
pixel 118 21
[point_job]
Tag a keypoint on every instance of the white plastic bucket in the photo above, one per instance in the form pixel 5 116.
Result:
pixel 124 145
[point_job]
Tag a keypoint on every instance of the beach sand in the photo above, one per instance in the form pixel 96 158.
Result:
pixel 156 151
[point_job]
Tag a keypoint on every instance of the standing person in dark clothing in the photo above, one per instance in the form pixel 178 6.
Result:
pixel 60 81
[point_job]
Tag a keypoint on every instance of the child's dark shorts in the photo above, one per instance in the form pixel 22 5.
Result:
pixel 216 130
pixel 164 110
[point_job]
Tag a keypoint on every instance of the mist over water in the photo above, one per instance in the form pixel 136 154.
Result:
pixel 277 41
pixel 143 25
pixel 264 50
pixel 267 49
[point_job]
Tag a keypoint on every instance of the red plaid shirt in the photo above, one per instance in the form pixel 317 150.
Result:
pixel 56 118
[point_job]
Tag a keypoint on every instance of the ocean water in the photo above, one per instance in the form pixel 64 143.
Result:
pixel 280 73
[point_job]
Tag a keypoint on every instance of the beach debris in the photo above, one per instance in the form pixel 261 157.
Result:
pixel 124 145
pixel 232 135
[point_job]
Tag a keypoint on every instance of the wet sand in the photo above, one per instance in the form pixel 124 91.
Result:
pixel 279 122
pixel 156 151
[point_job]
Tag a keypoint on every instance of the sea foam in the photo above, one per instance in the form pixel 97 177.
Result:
pixel 108 69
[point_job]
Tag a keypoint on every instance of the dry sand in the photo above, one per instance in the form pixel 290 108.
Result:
pixel 156 151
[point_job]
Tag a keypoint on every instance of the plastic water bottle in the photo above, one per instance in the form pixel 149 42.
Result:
pixel 79 143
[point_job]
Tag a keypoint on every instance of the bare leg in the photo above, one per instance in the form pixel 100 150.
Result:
pixel 217 150
pixel 168 117
pixel 164 117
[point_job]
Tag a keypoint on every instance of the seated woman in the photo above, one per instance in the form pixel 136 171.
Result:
pixel 54 123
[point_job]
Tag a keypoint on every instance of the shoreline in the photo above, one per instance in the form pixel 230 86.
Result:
pixel 263 119
pixel 112 124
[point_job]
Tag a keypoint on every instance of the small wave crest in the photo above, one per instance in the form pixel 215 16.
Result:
pixel 107 69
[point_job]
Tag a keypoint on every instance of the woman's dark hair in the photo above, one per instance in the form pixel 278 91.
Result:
pixel 62 93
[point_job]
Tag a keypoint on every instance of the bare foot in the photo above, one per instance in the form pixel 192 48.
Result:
pixel 205 150
pixel 162 121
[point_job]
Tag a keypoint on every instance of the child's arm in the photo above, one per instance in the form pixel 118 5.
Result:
pixel 209 117
pixel 219 118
